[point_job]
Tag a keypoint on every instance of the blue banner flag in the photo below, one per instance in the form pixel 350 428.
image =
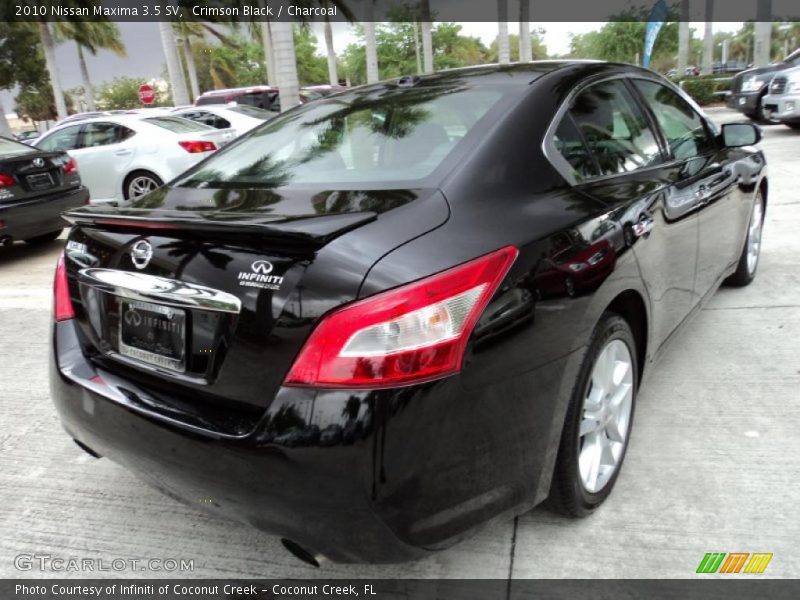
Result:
pixel 654 23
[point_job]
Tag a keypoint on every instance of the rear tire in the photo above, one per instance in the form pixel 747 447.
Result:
pixel 598 422
pixel 751 253
pixel 140 183
pixel 44 238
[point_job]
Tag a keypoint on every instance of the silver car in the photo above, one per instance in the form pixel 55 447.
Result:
pixel 782 102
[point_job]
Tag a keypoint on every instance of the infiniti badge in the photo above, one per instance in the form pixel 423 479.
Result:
pixel 38 162
pixel 141 253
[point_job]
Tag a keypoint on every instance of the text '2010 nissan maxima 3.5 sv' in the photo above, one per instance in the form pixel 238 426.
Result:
pixel 406 310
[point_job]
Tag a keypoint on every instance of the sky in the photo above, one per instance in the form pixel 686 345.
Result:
pixel 145 59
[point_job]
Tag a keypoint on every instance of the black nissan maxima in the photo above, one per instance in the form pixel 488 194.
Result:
pixel 390 316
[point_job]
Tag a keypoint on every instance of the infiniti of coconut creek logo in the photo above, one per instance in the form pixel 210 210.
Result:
pixel 260 276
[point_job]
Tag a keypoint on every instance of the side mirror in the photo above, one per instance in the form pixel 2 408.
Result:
pixel 736 135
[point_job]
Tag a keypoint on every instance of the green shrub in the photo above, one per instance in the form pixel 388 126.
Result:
pixel 702 90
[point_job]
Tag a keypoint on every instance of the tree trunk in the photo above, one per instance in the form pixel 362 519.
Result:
pixel 269 54
pixel 88 90
pixel 762 33
pixel 5 128
pixel 503 53
pixel 52 69
pixel 525 51
pixel 177 82
pixel 417 53
pixel 191 67
pixel 333 74
pixel 286 64
pixel 371 46
pixel 427 37
pixel 684 39
pixel 708 40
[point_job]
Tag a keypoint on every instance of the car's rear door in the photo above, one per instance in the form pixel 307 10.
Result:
pixel 625 168
pixel 106 149
pixel 706 176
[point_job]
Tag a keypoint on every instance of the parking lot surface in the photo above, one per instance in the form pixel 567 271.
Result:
pixel 712 464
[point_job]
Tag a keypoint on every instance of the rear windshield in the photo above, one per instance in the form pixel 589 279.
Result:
pixel 177 125
pixel 388 134
pixel 252 111
pixel 12 148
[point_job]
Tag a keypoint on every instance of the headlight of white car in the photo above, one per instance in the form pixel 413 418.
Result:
pixel 752 84
pixel 794 86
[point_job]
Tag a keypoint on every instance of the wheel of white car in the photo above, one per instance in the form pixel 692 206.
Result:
pixel 140 183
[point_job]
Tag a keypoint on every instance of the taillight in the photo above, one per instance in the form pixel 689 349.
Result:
pixel 70 167
pixel 195 147
pixel 414 333
pixel 7 180
pixel 62 304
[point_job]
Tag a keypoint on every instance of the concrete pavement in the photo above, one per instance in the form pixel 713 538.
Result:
pixel 712 464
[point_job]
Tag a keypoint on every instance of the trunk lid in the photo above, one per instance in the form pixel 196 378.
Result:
pixel 36 174
pixel 202 298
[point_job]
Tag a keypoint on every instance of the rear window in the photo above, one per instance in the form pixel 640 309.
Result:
pixel 385 135
pixel 251 111
pixel 12 148
pixel 177 125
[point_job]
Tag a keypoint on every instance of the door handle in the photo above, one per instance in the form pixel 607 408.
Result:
pixel 122 152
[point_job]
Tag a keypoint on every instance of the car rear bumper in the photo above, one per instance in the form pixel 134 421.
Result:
pixel 746 102
pixel 25 219
pixel 374 477
pixel 784 107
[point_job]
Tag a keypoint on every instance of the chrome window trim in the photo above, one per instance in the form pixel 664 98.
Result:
pixel 560 164
pixel 159 290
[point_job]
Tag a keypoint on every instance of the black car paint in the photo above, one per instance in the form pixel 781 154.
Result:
pixel 390 475
pixel 27 212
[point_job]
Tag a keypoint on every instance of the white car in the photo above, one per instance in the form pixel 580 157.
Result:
pixel 240 117
pixel 122 157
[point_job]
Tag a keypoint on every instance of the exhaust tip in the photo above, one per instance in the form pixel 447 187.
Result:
pixel 301 553
pixel 86 449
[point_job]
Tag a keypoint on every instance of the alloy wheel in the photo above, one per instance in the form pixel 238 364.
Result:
pixel 754 236
pixel 141 185
pixel 606 416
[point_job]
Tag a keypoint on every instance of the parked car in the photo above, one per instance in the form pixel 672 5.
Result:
pixel 260 96
pixel 782 102
pixel 122 157
pixel 239 117
pixel 35 188
pixel 468 272
pixel 748 88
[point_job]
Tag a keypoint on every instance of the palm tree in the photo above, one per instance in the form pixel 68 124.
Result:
pixel 92 36
pixel 684 38
pixel 503 52
pixel 427 38
pixel 371 45
pixel 285 64
pixel 177 83
pixel 525 50
pixel 52 69
pixel 185 31
pixel 333 75
pixel 708 40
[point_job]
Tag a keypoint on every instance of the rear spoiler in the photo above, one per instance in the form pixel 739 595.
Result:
pixel 314 230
